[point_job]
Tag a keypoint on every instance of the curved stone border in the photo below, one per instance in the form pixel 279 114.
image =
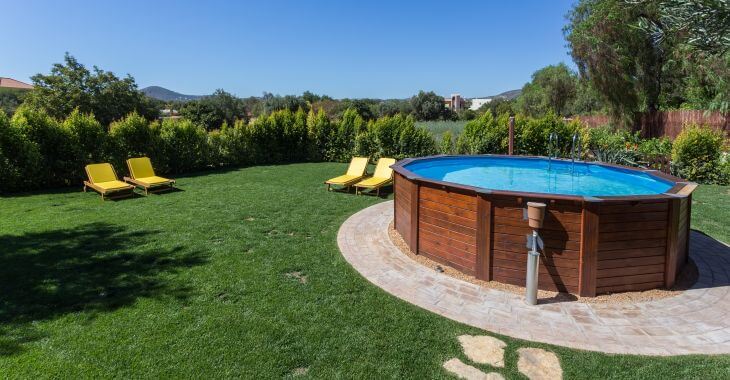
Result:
pixel 694 322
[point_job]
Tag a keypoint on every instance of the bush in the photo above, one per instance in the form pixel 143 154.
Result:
pixel 697 155
pixel 446 146
pixel 88 134
pixel 19 158
pixel 184 146
pixel 133 137
pixel 609 146
pixel 486 134
pixel 396 137
pixel 322 136
pixel 60 163
pixel 656 147
pixel 532 136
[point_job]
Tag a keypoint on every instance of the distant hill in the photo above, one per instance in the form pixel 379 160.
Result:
pixel 166 95
pixel 509 95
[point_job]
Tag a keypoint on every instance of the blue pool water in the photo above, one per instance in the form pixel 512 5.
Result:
pixel 532 175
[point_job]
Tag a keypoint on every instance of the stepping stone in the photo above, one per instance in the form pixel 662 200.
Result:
pixel 467 372
pixel 538 364
pixel 483 349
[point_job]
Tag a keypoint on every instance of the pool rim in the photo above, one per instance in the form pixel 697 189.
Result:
pixel 680 188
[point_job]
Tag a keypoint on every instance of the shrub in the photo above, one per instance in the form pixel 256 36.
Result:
pixel 532 136
pixel 608 146
pixel 696 154
pixel 133 137
pixel 183 146
pixel 19 158
pixel 656 147
pixel 395 136
pixel 322 135
pixel 88 134
pixel 236 144
pixel 446 146
pixel 60 163
pixel 485 134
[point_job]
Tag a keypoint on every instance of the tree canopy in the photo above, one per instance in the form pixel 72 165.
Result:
pixel 70 85
pixel 428 106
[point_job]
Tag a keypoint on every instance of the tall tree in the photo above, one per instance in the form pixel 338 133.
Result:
pixel 212 111
pixel 72 86
pixel 552 88
pixel 428 106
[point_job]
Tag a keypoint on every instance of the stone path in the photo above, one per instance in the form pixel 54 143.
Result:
pixel 535 363
pixel 695 322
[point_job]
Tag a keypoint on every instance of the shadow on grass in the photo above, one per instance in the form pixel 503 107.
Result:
pixel 92 268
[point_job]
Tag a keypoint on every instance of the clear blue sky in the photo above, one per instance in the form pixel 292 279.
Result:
pixel 383 49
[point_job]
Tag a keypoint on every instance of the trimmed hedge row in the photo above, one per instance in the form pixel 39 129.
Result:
pixel 37 151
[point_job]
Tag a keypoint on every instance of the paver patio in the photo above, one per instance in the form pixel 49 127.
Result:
pixel 694 322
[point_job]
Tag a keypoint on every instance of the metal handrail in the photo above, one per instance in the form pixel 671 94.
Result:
pixel 576 138
pixel 553 142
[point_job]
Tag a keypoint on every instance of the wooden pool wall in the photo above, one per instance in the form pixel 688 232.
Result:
pixel 591 245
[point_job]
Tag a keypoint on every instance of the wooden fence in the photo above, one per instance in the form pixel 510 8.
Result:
pixel 668 123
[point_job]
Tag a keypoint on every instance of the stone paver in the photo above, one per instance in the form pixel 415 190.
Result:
pixel 467 372
pixel 538 364
pixel 694 322
pixel 483 349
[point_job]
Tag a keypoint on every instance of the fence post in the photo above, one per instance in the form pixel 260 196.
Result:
pixel 511 135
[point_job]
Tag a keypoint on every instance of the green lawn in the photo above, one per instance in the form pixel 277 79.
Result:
pixel 439 127
pixel 237 275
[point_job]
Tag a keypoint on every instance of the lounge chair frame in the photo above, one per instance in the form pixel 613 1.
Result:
pixel 108 194
pixel 151 188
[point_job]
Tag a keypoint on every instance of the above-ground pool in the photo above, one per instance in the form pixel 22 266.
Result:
pixel 607 228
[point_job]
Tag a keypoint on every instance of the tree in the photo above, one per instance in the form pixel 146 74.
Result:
pixel 212 111
pixel 71 85
pixel 620 59
pixel 552 89
pixel 428 106
pixel 646 55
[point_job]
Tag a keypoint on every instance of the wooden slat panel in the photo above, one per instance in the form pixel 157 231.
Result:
pixel 636 207
pixel 484 239
pixel 631 253
pixel 451 218
pixel 543 268
pixel 446 209
pixel 543 278
pixel 549 260
pixel 625 280
pixel 448 225
pixel 633 217
pixel 631 244
pixel 437 258
pixel 622 263
pixel 632 235
pixel 547 225
pixel 447 243
pixel 546 234
pixel 672 243
pixel 632 226
pixel 451 198
pixel 631 270
pixel 521 248
pixel 550 216
pixel 469 239
pixel 589 250
pixel 549 243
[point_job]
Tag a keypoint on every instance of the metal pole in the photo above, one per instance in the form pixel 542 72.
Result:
pixel 533 260
pixel 511 135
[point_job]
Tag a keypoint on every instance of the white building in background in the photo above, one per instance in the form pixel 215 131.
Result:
pixel 476 103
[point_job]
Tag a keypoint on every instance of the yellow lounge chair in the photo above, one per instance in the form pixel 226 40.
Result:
pixel 142 175
pixel 104 180
pixel 383 176
pixel 355 172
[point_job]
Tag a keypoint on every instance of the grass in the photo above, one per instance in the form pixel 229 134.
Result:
pixel 439 127
pixel 237 275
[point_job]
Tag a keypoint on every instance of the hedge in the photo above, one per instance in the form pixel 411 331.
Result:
pixel 37 151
